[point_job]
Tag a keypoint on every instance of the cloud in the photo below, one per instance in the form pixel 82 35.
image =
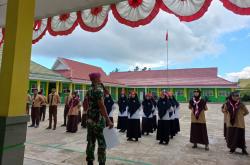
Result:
pixel 146 45
pixel 235 76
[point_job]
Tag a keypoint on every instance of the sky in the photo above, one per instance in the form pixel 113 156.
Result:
pixel 219 39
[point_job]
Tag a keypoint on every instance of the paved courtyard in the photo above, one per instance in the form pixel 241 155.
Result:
pixel 48 147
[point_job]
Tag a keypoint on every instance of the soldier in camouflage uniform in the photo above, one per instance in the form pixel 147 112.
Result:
pixel 96 120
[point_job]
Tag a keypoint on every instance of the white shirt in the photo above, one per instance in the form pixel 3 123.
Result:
pixel 124 114
pixel 112 111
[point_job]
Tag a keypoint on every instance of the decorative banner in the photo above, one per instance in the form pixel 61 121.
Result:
pixel 1 36
pixel 94 19
pixel 241 7
pixel 62 25
pixel 186 10
pixel 136 12
pixel 39 30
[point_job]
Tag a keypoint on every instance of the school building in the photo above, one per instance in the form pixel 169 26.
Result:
pixel 68 74
pixel 181 82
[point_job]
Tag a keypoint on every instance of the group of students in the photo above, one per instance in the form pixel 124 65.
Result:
pixel 131 111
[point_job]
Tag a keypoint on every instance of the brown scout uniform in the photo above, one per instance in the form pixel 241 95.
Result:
pixel 35 110
pixel 53 101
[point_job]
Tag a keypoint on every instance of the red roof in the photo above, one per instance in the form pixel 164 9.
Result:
pixel 176 77
pixel 77 71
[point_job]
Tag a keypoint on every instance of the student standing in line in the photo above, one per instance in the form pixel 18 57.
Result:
pixel 28 101
pixel 84 112
pixel 147 115
pixel 66 107
pixel 154 113
pixel 43 106
pixel 163 129
pixel 225 118
pixel 37 101
pixel 109 104
pixel 198 132
pixel 236 111
pixel 74 106
pixel 123 115
pixel 134 126
pixel 54 101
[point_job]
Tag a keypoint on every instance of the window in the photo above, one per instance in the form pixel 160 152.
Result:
pixel 179 92
pixel 208 92
pixel 224 93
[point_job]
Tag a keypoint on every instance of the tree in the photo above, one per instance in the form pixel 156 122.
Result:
pixel 144 69
pixel 116 70
pixel 136 68
pixel 149 68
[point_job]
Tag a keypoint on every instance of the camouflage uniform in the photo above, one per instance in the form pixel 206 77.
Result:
pixel 95 126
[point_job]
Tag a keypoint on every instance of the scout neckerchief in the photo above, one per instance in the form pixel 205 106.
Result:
pixel 233 107
pixel 198 106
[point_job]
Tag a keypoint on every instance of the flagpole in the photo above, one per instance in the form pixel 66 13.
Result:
pixel 167 61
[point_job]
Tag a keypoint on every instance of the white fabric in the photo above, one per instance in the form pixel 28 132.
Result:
pixel 95 20
pixel 166 116
pixel 143 115
pixel 241 3
pixel 112 111
pixel 177 113
pixel 135 14
pixel 37 33
pixel 184 8
pixel 155 111
pixel 58 25
pixel 124 114
pixel 136 115
pixel 1 35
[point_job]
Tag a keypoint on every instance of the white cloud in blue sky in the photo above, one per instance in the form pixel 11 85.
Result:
pixel 197 44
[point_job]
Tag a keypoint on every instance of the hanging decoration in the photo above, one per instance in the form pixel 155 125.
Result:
pixel 39 30
pixel 241 7
pixel 186 10
pixel 63 24
pixel 135 13
pixel 94 19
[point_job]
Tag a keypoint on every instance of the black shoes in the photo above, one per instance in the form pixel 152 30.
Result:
pixel 206 148
pixel 90 163
pixel 244 152
pixel 49 127
pixel 129 139
pixel 195 145
pixel 32 125
pixel 232 151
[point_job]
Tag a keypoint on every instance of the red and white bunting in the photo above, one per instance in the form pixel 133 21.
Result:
pixel 241 7
pixel 136 12
pixel 39 30
pixel 1 36
pixel 94 19
pixel 63 24
pixel 186 10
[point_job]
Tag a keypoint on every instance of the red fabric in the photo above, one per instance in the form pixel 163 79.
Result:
pixel 1 41
pixel 144 21
pixel 135 3
pixel 61 33
pixel 234 8
pixel 86 27
pixel 190 18
pixel 36 27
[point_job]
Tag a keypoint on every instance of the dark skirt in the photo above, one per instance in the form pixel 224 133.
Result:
pixel 225 130
pixel 177 125
pixel 72 124
pixel 154 122
pixel 163 130
pixel 84 120
pixel 133 128
pixel 236 138
pixel 198 133
pixel 122 122
pixel 172 128
pixel 79 117
pixel 147 125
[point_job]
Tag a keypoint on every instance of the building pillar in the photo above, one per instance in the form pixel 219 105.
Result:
pixel 116 94
pixel 71 87
pixel 61 87
pixel 57 87
pixel 47 88
pixel 14 79
pixel 38 85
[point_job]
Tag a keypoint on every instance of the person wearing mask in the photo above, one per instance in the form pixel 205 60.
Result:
pixel 66 107
pixel 74 106
pixel 236 112
pixel 123 115
pixel 109 104
pixel 147 115
pixel 163 129
pixel 53 101
pixel 37 101
pixel 133 127
pixel 198 132
pixel 97 117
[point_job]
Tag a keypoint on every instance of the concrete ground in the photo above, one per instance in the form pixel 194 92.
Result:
pixel 48 147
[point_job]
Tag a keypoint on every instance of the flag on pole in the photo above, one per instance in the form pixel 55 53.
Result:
pixel 167 36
